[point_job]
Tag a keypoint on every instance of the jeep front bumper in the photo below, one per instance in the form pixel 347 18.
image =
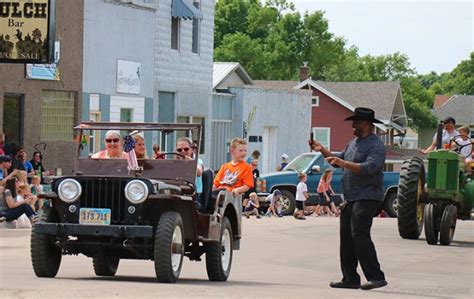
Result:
pixel 71 229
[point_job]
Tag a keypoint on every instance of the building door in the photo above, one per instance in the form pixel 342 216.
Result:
pixel 166 113
pixel 13 118
pixel 269 155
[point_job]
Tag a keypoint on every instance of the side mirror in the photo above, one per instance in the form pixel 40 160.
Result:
pixel 316 168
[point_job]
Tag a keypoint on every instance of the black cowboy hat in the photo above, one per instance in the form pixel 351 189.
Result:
pixel 361 113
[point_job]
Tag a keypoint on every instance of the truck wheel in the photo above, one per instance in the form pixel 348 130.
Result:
pixel 431 230
pixel 45 255
pixel 448 224
pixel 169 247
pixel 219 254
pixel 410 198
pixel 105 265
pixel 287 202
pixel 390 204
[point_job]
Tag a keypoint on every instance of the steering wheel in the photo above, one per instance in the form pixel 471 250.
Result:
pixel 162 155
pixel 460 146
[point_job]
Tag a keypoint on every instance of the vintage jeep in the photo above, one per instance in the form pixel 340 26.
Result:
pixel 108 211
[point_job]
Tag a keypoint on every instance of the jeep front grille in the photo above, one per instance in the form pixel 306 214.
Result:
pixel 105 193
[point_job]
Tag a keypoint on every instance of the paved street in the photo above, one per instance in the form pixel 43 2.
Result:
pixel 279 258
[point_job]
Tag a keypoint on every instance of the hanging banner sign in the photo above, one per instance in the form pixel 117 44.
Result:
pixel 27 31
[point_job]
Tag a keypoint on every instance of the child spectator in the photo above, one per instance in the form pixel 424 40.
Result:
pixel 13 208
pixel 235 176
pixel 23 194
pixel 301 196
pixel 274 207
pixel 324 187
pixel 254 156
pixel 36 189
pixel 251 206
pixel 466 150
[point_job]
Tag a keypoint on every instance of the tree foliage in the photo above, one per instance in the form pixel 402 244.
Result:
pixel 272 40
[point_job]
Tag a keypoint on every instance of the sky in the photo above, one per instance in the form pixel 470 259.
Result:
pixel 436 35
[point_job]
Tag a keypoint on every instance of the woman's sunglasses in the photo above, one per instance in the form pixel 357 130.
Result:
pixel 114 140
pixel 185 149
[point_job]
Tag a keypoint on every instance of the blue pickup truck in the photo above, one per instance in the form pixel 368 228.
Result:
pixel 314 164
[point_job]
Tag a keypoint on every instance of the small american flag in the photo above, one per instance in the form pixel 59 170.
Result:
pixel 129 147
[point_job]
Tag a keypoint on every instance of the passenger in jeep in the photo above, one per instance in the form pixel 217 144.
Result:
pixel 184 147
pixel 113 147
pixel 235 176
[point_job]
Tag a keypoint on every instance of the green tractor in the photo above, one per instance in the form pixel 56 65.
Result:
pixel 435 200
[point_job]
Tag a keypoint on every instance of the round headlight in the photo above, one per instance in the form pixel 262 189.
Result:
pixel 69 190
pixel 136 191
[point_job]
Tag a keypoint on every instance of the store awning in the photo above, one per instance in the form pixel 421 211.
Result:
pixel 185 9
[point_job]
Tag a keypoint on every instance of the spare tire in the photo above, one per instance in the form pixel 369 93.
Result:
pixel 411 198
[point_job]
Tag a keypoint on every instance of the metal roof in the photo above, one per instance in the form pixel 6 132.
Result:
pixel 222 70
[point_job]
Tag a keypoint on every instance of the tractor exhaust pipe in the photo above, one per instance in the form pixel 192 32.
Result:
pixel 439 136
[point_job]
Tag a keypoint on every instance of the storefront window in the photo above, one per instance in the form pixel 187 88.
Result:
pixel 57 115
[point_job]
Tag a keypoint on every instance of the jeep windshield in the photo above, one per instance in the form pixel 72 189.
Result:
pixel 300 163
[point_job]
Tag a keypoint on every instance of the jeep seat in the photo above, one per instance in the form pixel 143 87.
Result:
pixel 207 181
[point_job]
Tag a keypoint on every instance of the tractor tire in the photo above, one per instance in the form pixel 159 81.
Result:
pixel 288 202
pixel 431 228
pixel 410 198
pixel 105 265
pixel 45 255
pixel 390 204
pixel 169 247
pixel 219 254
pixel 448 224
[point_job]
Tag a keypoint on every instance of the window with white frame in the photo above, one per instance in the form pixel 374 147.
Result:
pixel 175 24
pixel 315 101
pixel 57 115
pixel 94 136
pixel 323 135
pixel 196 30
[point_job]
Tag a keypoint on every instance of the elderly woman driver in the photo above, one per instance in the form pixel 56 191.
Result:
pixel 113 147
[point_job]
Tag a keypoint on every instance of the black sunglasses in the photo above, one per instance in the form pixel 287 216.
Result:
pixel 114 140
pixel 183 149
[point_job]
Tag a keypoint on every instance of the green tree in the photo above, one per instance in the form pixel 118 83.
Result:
pixel 418 101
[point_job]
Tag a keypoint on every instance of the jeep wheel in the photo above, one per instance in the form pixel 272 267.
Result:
pixel 169 247
pixel 391 204
pixel 219 255
pixel 448 224
pixel 411 198
pixel 105 265
pixel 431 229
pixel 287 202
pixel 45 255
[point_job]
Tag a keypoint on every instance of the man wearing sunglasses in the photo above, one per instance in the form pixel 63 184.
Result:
pixel 449 132
pixel 113 147
pixel 185 150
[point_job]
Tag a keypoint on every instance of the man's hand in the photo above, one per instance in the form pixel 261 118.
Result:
pixel 315 145
pixel 336 161
pixel 236 192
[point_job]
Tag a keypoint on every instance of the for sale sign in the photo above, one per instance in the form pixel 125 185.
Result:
pixel 27 31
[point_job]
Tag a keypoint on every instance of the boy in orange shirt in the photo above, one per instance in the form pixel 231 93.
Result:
pixel 235 176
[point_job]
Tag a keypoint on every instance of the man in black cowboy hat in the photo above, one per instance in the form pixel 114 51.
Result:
pixel 363 161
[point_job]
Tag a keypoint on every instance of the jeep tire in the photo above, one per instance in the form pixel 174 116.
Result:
pixel 169 247
pixel 105 265
pixel 411 198
pixel 219 254
pixel 45 255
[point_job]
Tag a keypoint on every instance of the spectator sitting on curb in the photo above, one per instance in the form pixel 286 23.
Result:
pixel 275 206
pixel 11 208
pixel 251 206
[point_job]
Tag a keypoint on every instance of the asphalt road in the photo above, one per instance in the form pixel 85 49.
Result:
pixel 279 258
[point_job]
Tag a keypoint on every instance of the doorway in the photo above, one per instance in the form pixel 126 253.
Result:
pixel 12 117
pixel 269 149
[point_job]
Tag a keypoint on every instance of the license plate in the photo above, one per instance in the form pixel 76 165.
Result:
pixel 94 216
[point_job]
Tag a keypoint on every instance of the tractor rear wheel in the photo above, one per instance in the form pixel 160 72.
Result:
pixel 411 198
pixel 448 224
pixel 431 228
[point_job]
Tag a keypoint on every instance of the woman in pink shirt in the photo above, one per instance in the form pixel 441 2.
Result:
pixel 324 187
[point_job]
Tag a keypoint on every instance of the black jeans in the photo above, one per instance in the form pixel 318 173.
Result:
pixel 15 213
pixel 356 244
